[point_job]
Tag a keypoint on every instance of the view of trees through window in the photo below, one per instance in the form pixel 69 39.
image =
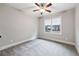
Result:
pixel 52 24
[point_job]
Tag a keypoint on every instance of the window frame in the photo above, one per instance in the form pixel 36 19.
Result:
pixel 54 32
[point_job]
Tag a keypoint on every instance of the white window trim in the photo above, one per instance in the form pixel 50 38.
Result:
pixel 55 32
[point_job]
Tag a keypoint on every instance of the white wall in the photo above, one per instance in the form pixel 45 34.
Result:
pixel 67 35
pixel 68 25
pixel 77 27
pixel 15 26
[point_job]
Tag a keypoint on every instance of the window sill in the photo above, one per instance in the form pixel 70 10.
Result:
pixel 54 33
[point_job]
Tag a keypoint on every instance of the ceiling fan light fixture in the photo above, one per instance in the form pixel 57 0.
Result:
pixel 43 7
pixel 42 10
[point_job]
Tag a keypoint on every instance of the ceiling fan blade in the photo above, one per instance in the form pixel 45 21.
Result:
pixel 37 4
pixel 48 10
pixel 49 4
pixel 36 10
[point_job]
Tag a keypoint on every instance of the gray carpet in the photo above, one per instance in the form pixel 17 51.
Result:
pixel 39 47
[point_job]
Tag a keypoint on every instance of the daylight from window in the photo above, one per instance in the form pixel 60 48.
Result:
pixel 53 24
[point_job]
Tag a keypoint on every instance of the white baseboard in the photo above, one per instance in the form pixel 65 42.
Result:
pixel 57 40
pixel 14 44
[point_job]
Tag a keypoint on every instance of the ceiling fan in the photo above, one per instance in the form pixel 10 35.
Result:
pixel 43 7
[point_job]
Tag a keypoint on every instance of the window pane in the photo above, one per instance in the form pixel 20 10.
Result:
pixel 47 24
pixel 47 28
pixel 56 23
pixel 55 27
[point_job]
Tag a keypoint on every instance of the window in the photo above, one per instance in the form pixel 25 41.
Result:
pixel 56 23
pixel 53 25
pixel 47 23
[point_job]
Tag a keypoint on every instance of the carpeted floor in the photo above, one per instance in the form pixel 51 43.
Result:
pixel 39 47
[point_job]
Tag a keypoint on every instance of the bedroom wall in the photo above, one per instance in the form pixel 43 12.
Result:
pixel 67 35
pixel 77 27
pixel 16 27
